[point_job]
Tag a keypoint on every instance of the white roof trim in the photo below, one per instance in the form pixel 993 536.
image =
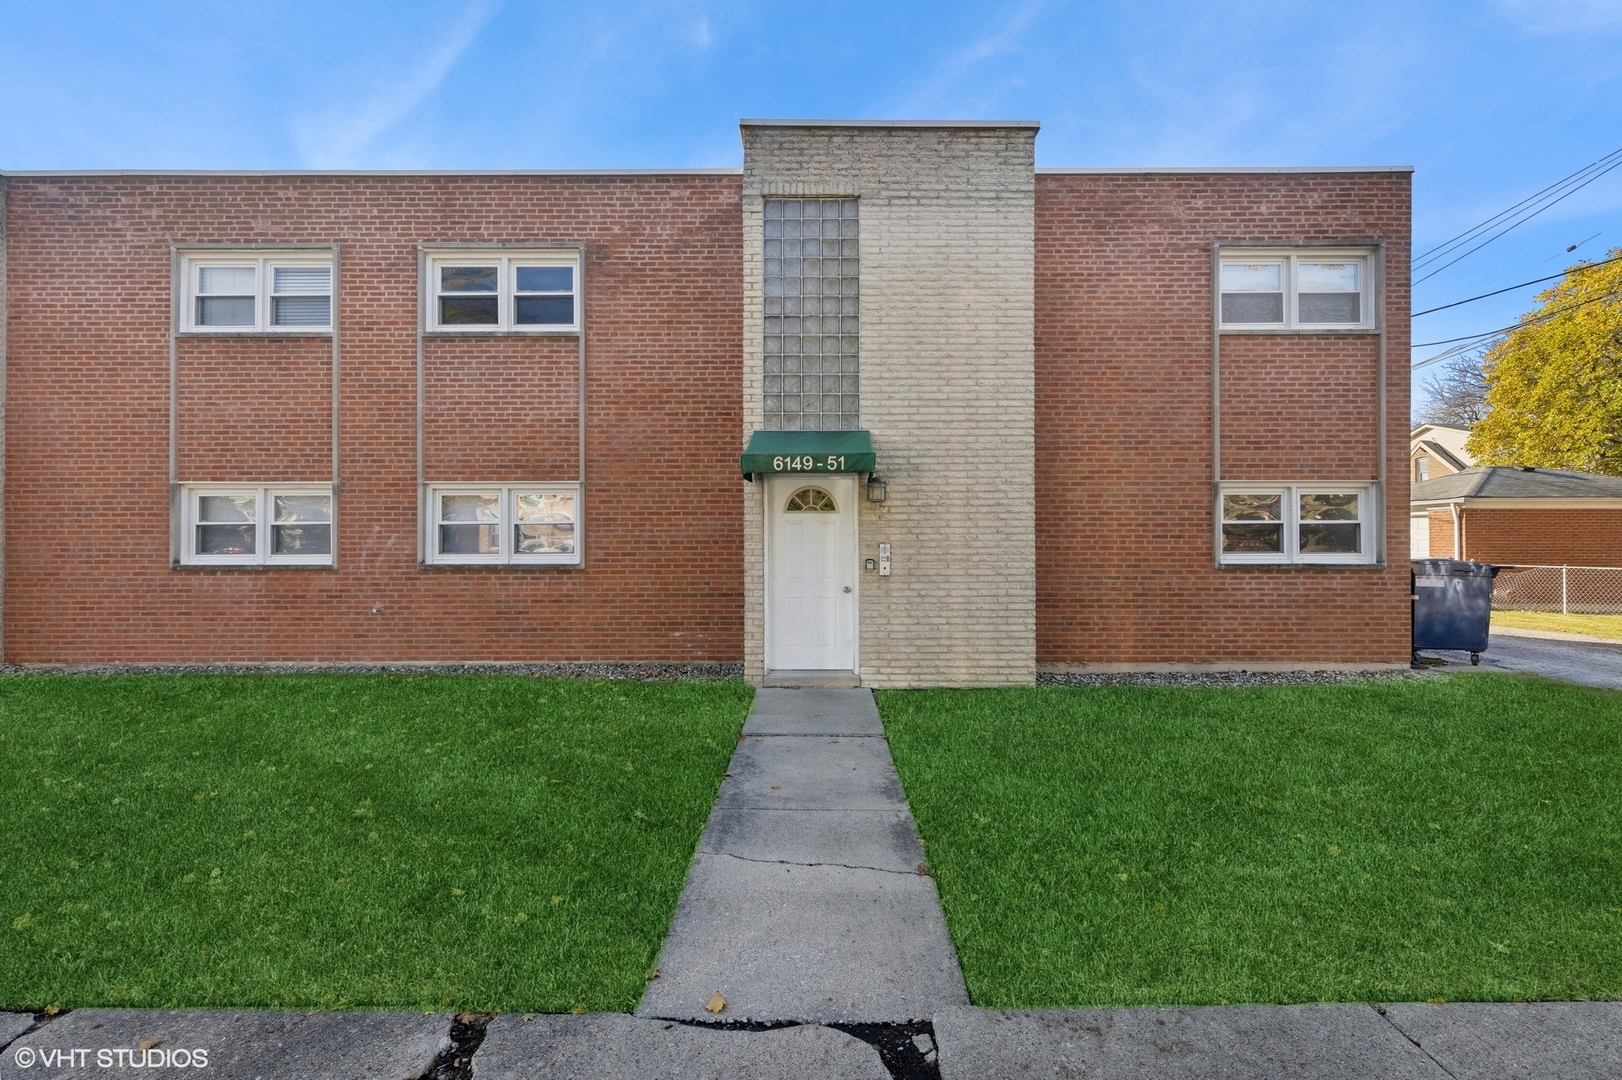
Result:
pixel 1029 125
pixel 369 172
pixel 1197 170
pixel 1469 503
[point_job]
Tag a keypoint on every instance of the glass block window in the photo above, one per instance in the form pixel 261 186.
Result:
pixel 813 315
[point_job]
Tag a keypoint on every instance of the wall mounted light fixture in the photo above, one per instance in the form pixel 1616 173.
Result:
pixel 875 488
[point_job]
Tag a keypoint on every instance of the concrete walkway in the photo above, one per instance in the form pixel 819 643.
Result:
pixel 809 900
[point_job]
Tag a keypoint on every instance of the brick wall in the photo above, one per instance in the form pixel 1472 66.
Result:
pixel 88 576
pixel 1054 508
pixel 946 388
pixel 1531 537
pixel 1124 552
pixel 1441 523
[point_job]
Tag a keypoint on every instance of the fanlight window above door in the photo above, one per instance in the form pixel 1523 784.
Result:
pixel 812 500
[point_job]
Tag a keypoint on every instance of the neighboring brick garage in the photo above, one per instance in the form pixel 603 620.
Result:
pixel 1524 516
pixel 88 569
pixel 1124 504
pixel 1543 537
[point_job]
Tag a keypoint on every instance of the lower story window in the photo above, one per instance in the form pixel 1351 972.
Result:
pixel 498 524
pixel 265 525
pixel 1298 523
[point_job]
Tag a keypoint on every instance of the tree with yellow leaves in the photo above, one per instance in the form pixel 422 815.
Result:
pixel 1554 384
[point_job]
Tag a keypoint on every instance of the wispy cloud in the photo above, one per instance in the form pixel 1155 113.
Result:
pixel 1557 17
pixel 699 33
pixel 1216 88
pixel 343 137
pixel 939 89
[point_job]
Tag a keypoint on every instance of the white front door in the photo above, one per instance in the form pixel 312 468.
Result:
pixel 811 573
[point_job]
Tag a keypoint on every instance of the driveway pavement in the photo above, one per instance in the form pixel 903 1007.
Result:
pixel 1591 663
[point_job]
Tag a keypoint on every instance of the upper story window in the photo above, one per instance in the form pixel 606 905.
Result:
pixel 250 292
pixel 504 291
pixel 1422 468
pixel 1311 289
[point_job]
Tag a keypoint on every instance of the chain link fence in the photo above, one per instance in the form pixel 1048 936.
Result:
pixel 1571 590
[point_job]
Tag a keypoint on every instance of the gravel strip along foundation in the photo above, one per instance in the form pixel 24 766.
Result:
pixel 650 671
pixel 1221 678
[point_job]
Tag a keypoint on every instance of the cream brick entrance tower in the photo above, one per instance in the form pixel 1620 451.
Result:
pixel 937 356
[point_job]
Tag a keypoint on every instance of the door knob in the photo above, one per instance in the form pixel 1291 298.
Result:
pixel 847 588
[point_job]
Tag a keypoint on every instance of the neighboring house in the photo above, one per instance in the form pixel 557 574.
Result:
pixel 1522 516
pixel 1433 450
pixel 502 416
pixel 1437 450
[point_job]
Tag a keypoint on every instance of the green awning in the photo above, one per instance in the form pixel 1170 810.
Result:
pixel 808 452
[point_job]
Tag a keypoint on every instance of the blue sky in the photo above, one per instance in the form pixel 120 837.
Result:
pixel 1489 100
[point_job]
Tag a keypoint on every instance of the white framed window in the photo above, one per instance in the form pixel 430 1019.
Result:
pixel 1270 523
pixel 503 524
pixel 256 525
pixel 1308 289
pixel 504 291
pixel 256 292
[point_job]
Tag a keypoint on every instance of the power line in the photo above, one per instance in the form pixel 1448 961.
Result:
pixel 1522 285
pixel 1439 357
pixel 1570 189
pixel 1444 248
pixel 1425 255
pixel 1441 249
pixel 1543 317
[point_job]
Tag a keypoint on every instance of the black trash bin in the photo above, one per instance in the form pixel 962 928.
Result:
pixel 1452 605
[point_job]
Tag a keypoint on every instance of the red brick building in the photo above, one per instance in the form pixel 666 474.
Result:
pixel 1090 418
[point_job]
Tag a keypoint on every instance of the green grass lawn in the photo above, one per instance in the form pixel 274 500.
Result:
pixel 1451 837
pixel 1602 626
pixel 412 842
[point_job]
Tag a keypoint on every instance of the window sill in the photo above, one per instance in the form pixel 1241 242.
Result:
pixel 1313 331
pixel 441 332
pixel 527 568
pixel 283 333
pixel 251 567
pixel 1275 566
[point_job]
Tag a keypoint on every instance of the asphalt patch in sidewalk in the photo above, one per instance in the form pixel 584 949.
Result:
pixel 907 1050
pixel 456 1062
